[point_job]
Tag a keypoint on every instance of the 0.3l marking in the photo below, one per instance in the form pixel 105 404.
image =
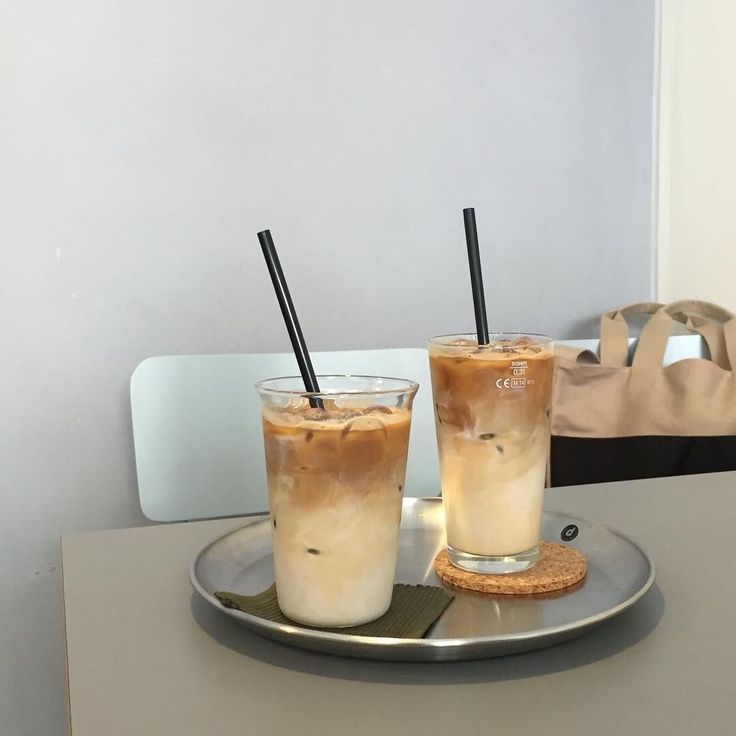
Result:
pixel 519 378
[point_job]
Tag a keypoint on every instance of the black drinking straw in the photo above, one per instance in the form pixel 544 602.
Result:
pixel 292 321
pixel 476 276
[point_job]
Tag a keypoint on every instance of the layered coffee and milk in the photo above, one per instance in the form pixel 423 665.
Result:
pixel 492 420
pixel 335 482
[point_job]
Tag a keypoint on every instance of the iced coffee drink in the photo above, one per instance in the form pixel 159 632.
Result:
pixel 336 468
pixel 492 419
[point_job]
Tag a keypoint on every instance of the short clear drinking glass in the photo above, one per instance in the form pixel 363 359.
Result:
pixel 492 419
pixel 336 462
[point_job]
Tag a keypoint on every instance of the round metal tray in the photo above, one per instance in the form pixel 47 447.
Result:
pixel 475 625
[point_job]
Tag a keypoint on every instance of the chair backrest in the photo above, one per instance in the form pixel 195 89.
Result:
pixel 197 427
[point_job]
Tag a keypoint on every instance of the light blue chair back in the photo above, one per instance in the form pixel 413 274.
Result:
pixel 197 427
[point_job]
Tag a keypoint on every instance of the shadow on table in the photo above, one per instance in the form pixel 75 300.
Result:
pixel 609 639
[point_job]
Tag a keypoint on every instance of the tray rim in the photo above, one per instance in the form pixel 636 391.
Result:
pixel 396 643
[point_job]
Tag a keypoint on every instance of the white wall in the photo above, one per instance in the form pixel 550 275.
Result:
pixel 142 146
pixel 697 174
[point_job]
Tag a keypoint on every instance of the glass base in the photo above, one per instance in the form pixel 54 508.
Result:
pixel 493 565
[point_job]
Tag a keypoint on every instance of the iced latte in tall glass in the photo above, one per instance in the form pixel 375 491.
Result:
pixel 492 419
pixel 336 463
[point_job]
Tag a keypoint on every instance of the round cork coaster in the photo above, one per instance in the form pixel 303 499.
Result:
pixel 558 567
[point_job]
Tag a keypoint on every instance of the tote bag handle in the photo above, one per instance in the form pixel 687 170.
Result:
pixel 715 324
pixel 615 332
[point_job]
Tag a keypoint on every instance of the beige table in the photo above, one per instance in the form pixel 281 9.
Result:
pixel 146 656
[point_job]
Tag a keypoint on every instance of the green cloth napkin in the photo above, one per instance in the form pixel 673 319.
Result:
pixel 413 609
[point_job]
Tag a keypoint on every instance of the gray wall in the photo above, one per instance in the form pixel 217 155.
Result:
pixel 142 145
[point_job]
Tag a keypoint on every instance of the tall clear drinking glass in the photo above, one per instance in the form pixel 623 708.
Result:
pixel 336 462
pixel 492 419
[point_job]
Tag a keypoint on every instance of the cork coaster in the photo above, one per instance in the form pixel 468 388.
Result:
pixel 558 567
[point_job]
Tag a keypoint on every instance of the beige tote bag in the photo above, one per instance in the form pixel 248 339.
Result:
pixel 614 421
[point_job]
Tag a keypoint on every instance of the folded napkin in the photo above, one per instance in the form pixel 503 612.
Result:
pixel 413 609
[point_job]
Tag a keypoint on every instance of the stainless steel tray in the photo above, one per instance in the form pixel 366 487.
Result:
pixel 475 625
